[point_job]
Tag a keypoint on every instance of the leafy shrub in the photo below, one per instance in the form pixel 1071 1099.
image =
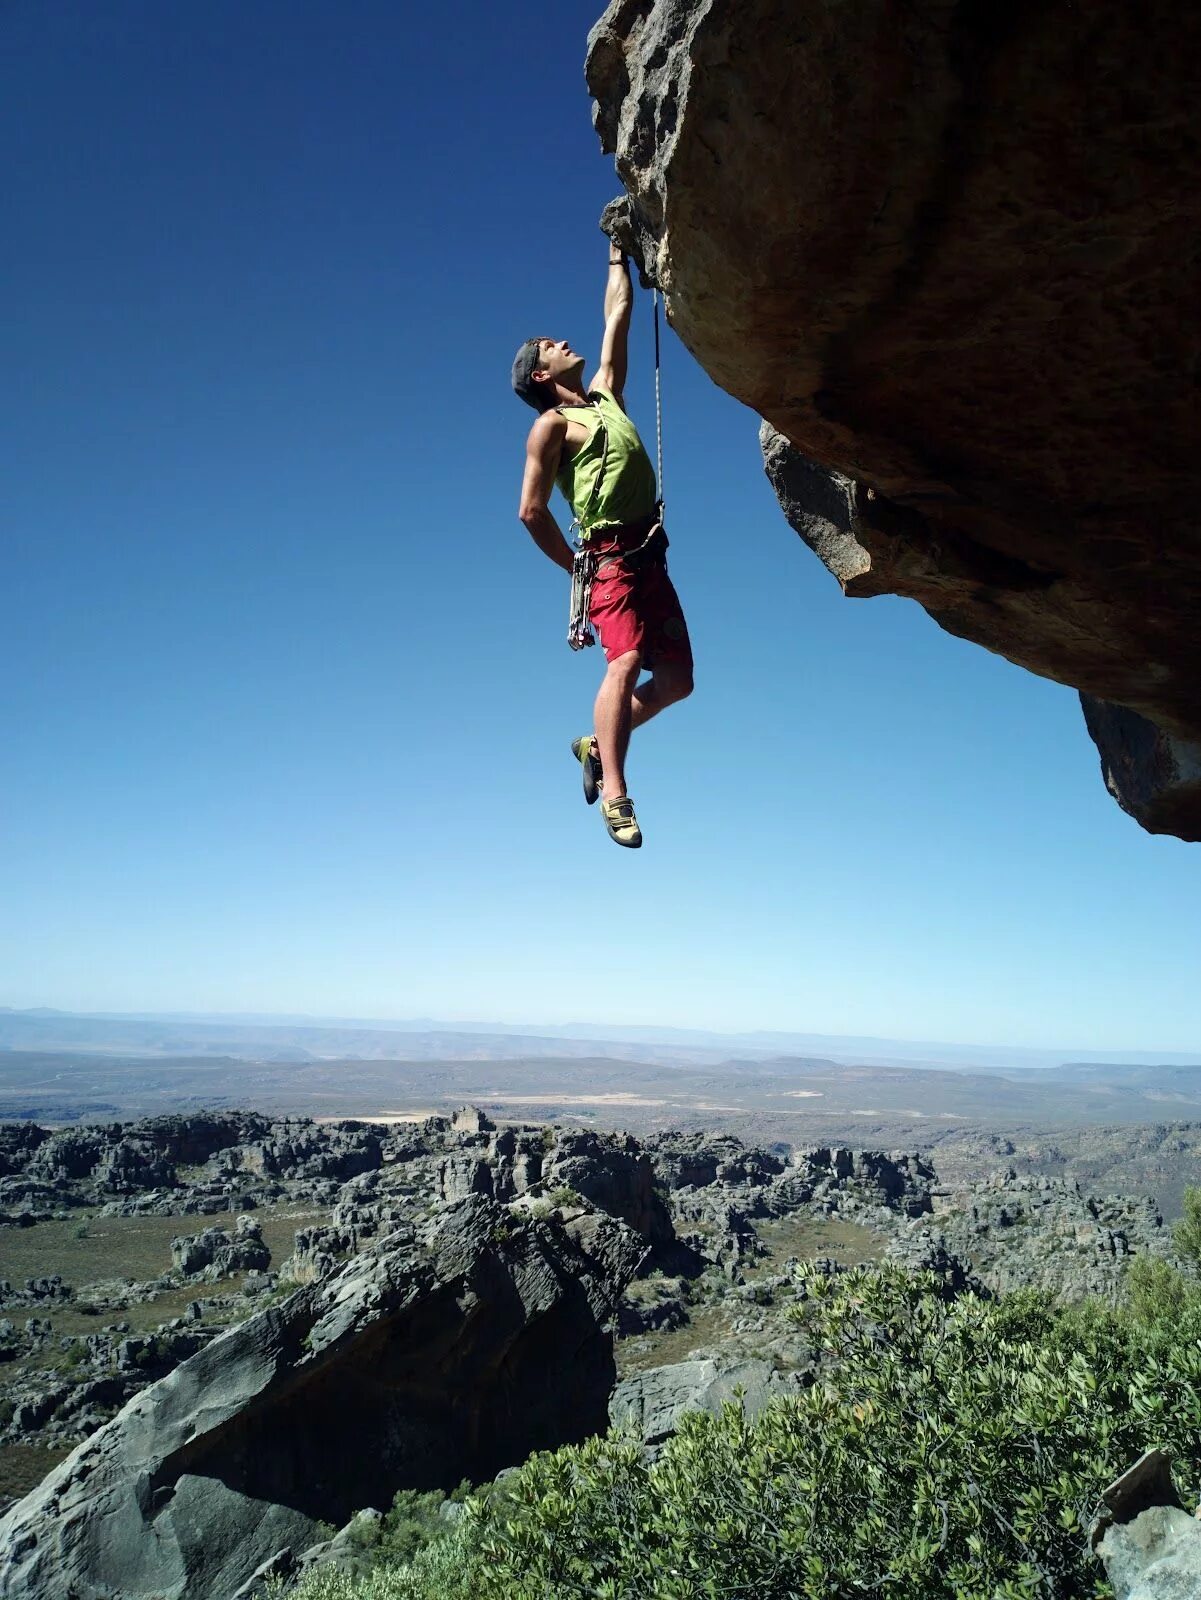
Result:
pixel 952 1451
pixel 414 1521
pixel 1186 1235
pixel 440 1571
pixel 565 1197
pixel 1156 1292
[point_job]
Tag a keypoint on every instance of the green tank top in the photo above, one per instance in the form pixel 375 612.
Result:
pixel 610 480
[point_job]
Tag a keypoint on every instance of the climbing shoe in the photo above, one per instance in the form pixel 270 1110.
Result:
pixel 582 750
pixel 621 823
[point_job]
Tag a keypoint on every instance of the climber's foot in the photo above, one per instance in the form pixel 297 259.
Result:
pixel 584 750
pixel 621 823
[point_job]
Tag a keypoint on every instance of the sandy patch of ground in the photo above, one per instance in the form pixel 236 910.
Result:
pixel 386 1116
pixel 573 1100
pixel 901 1111
pixel 804 1094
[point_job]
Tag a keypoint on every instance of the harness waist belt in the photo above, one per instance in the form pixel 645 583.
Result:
pixel 613 541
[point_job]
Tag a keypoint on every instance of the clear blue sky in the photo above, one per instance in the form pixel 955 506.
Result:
pixel 287 702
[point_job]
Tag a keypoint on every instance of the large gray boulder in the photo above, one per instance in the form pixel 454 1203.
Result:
pixel 218 1253
pixel 1150 1545
pixel 652 1402
pixel 1157 1556
pixel 428 1358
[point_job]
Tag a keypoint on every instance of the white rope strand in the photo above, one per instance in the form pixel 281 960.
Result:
pixel 658 399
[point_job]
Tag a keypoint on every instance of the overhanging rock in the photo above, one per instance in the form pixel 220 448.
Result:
pixel 949 253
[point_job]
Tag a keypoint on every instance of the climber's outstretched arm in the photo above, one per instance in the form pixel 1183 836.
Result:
pixel 619 298
pixel 542 452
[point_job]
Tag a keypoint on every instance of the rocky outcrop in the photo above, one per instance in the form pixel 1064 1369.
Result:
pixel 1016 1232
pixel 613 1173
pixel 217 1253
pixel 720 1225
pixel 652 1402
pixel 1150 1545
pixel 948 253
pixel 429 1357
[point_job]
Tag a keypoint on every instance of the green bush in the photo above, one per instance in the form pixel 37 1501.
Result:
pixel 949 1451
pixel 413 1522
pixel 1157 1293
pixel 565 1197
pixel 1186 1235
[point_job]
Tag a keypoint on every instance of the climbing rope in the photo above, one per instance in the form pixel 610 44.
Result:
pixel 658 403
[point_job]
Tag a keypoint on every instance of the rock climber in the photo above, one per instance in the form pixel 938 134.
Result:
pixel 584 442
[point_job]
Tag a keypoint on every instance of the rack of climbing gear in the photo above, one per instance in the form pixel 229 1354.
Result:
pixel 583 571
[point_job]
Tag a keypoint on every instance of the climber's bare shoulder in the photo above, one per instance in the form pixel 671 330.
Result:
pixel 556 435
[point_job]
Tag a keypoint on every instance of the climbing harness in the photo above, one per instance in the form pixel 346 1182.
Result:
pixel 585 563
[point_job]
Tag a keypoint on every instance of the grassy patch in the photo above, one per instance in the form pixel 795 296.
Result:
pixel 128 1247
pixel 813 1239
pixel 708 1327
pixel 23 1466
pixel 117 1248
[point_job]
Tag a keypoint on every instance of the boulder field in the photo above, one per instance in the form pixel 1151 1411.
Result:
pixel 454 1308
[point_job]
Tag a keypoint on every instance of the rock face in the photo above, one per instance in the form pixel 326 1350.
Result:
pixel 455 1351
pixel 1013 1232
pixel 653 1402
pixel 948 253
pixel 1150 1545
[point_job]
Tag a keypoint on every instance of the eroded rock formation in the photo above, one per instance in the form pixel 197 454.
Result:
pixel 430 1355
pixel 949 253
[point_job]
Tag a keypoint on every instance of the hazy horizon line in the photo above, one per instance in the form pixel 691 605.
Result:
pixel 631 1033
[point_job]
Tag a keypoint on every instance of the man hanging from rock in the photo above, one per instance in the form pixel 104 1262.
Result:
pixel 584 442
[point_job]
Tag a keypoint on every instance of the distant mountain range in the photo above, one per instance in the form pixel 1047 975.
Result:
pixel 261 1037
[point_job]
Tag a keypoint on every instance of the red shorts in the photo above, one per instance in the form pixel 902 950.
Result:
pixel 640 610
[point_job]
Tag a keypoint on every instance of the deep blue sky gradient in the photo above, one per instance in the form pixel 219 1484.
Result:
pixel 287 700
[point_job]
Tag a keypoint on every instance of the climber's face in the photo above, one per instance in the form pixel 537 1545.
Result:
pixel 556 360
